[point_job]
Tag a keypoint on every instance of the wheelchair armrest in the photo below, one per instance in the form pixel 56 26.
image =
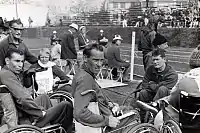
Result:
pixel 51 127
pixel 146 107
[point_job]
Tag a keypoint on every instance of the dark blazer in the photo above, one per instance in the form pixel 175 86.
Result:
pixel 68 50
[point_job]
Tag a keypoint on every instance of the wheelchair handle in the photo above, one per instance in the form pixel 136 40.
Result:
pixel 146 107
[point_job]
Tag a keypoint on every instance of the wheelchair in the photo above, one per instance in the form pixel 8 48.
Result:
pixel 189 116
pixel 55 128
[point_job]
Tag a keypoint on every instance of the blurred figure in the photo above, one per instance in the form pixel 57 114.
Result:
pixel 82 38
pixel 68 50
pixel 56 51
pixel 53 36
pixel 30 21
pixel 102 38
pixel 124 23
pixel 114 59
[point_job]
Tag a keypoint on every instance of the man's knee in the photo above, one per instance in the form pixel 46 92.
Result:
pixel 143 95
pixel 163 89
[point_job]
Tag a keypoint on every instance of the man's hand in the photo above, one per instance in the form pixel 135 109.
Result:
pixel 113 121
pixel 153 85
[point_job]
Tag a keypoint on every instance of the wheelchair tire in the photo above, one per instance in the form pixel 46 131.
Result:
pixel 63 96
pixel 170 127
pixel 143 128
pixel 132 96
pixel 25 129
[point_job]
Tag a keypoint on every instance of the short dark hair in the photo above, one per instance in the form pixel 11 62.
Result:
pixel 18 21
pixel 87 50
pixel 157 52
pixel 13 50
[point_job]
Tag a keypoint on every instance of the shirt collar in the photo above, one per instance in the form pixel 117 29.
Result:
pixel 70 31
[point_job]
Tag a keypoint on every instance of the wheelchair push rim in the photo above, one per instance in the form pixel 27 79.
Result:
pixel 170 127
pixel 144 128
pixel 25 129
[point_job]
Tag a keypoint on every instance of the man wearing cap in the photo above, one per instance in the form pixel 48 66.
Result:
pixel 159 42
pixel 14 41
pixel 114 59
pixel 68 50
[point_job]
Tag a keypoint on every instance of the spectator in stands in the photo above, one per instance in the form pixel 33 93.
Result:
pixel 86 91
pixel 114 59
pixel 146 40
pixel 53 36
pixel 47 71
pixel 159 42
pixel 14 41
pixel 159 79
pixel 82 38
pixel 27 108
pixel 102 38
pixel 68 50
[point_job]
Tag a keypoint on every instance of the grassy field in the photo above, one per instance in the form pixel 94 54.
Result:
pixel 177 57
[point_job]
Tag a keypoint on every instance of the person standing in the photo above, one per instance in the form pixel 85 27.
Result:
pixel 102 40
pixel 82 38
pixel 68 50
pixel 13 40
pixel 146 40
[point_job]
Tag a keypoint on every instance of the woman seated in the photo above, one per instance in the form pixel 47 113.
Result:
pixel 114 59
pixel 46 74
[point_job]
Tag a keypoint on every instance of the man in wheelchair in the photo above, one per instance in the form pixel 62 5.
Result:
pixel 86 91
pixel 182 105
pixel 159 79
pixel 27 108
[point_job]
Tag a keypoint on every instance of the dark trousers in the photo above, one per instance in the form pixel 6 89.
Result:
pixel 147 96
pixel 61 113
pixel 145 60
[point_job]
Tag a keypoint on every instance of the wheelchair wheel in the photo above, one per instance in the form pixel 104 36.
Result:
pixel 130 99
pixel 143 128
pixel 170 127
pixel 59 96
pixel 25 129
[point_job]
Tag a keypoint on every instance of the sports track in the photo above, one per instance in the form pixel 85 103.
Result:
pixel 177 57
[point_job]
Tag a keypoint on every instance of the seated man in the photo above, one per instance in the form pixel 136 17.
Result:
pixel 159 79
pixel 86 90
pixel 114 59
pixel 46 73
pixel 189 83
pixel 28 111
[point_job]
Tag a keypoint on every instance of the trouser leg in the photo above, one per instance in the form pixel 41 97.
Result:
pixel 61 113
pixel 145 96
pixel 161 92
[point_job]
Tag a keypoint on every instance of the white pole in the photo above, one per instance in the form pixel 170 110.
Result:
pixel 132 55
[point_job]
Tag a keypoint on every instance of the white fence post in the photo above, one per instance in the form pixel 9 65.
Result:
pixel 132 55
